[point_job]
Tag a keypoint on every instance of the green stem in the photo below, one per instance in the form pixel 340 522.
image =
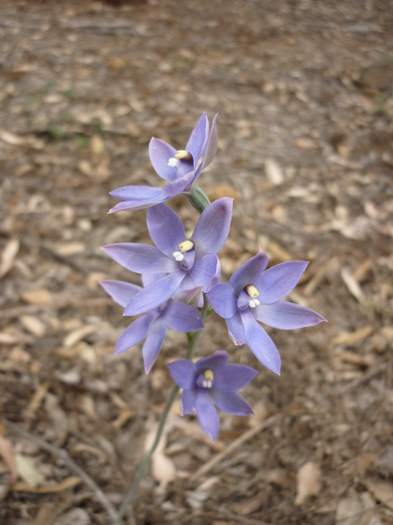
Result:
pixel 142 467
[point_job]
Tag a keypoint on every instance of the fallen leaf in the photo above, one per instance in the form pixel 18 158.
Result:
pixel 351 338
pixel 308 482
pixel 28 471
pixel 8 256
pixel 77 335
pixel 274 172
pixel 381 490
pixel 7 453
pixel 33 325
pixel 39 297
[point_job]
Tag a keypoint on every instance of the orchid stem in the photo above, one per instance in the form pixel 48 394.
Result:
pixel 142 467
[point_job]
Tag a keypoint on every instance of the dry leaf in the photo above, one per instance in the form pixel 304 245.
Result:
pixel 70 248
pixel 351 338
pixel 381 490
pixel 274 172
pixel 7 453
pixel 33 325
pixel 163 468
pixel 39 297
pixel 308 482
pixel 27 470
pixel 8 256
pixel 77 335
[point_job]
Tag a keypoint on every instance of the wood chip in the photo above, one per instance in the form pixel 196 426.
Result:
pixel 33 325
pixel 38 297
pixel 274 172
pixel 77 335
pixel 352 285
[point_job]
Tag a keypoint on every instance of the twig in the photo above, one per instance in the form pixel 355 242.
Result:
pixel 233 446
pixel 364 379
pixel 63 455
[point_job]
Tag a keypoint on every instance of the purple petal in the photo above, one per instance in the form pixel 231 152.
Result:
pixel 212 362
pixel 133 334
pixel 154 295
pixel 279 280
pixel 232 377
pixel 213 226
pixel 137 204
pixel 222 300
pixel 207 414
pixel 183 317
pixel 287 316
pixel 261 344
pixel 120 291
pixel 198 138
pixel 136 193
pixel 236 329
pixel 188 402
pixel 140 258
pixel 181 184
pixel 152 345
pixel 211 146
pixel 182 373
pixel 231 403
pixel 165 229
pixel 203 272
pixel 249 271
pixel 160 152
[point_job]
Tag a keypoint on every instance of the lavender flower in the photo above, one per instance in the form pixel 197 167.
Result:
pixel 152 326
pixel 179 264
pixel 254 294
pixel 211 382
pixel 179 168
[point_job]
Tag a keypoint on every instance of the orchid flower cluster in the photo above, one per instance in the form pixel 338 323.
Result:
pixel 181 283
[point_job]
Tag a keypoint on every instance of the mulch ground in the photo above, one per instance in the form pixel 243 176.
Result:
pixel 304 92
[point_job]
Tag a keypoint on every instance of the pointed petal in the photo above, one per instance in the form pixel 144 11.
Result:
pixel 165 229
pixel 154 295
pixel 183 317
pixel 182 373
pixel 159 153
pixel 198 138
pixel 279 280
pixel 133 334
pixel 249 271
pixel 152 345
pixel 136 193
pixel 232 377
pixel 212 228
pixel 203 272
pixel 236 329
pixel 207 414
pixel 214 361
pixel 188 402
pixel 211 145
pixel 231 403
pixel 140 258
pixel 287 316
pixel 261 344
pixel 120 291
pixel 138 204
pixel 181 184
pixel 222 300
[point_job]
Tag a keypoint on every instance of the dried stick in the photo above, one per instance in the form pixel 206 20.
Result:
pixel 63 455
pixel 233 446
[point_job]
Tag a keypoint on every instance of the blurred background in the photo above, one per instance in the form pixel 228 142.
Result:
pixel 305 97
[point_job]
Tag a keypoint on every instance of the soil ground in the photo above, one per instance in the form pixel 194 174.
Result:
pixel 304 93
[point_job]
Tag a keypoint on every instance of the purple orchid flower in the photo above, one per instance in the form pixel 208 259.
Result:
pixel 152 326
pixel 179 168
pixel 179 264
pixel 255 294
pixel 211 382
